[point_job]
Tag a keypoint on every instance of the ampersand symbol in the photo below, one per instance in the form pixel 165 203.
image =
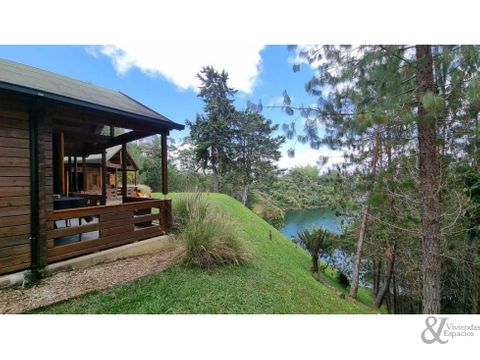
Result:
pixel 430 323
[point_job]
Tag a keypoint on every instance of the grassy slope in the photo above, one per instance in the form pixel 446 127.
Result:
pixel 276 279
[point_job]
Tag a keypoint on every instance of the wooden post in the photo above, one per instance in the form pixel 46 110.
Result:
pixel 69 175
pixel 112 131
pixel 164 165
pixel 166 211
pixel 75 173
pixel 124 172
pixel 84 170
pixel 104 177
pixel 61 163
pixel 67 182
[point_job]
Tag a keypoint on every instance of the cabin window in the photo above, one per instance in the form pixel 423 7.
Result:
pixel 94 180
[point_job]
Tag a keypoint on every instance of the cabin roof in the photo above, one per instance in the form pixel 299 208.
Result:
pixel 27 79
pixel 110 153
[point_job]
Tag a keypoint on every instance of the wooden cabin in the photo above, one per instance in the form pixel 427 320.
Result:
pixel 45 118
pixel 84 175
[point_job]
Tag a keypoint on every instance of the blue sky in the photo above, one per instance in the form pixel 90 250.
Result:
pixel 168 84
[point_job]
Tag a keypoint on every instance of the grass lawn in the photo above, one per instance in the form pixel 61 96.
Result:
pixel 275 279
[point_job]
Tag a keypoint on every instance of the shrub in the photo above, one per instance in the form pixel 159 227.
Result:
pixel 315 241
pixel 263 206
pixel 342 279
pixel 211 238
pixel 186 208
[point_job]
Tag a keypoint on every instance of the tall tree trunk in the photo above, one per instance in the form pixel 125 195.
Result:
pixel 377 270
pixel 395 297
pixel 388 277
pixel 314 268
pixel 476 307
pixel 364 221
pixel 429 186
pixel 359 253
pixel 389 303
pixel 245 194
pixel 216 182
pixel 215 163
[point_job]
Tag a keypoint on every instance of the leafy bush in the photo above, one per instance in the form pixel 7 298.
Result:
pixel 342 279
pixel 211 238
pixel 263 206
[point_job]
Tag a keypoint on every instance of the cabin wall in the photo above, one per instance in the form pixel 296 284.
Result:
pixel 15 202
pixel 14 184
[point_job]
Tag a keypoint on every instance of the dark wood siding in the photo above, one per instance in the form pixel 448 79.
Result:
pixel 15 251
pixel 14 184
pixel 45 177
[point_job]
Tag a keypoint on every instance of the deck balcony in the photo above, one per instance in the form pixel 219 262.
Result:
pixel 89 221
pixel 77 231
pixel 82 222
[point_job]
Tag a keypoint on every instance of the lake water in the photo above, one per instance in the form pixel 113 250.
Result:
pixel 297 220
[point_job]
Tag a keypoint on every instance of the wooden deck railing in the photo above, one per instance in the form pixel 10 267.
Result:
pixel 105 226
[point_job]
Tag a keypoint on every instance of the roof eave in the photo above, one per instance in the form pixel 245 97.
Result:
pixel 64 99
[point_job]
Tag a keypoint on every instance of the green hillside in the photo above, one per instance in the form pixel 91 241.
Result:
pixel 275 279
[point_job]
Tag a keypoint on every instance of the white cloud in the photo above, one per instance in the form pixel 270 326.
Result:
pixel 311 157
pixel 297 59
pixel 92 50
pixel 180 64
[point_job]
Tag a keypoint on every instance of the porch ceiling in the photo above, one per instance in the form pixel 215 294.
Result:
pixel 82 130
pixel 95 144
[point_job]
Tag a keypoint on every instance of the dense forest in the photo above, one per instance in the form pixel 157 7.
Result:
pixel 406 118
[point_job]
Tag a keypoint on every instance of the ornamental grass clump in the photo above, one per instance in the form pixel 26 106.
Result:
pixel 187 208
pixel 211 238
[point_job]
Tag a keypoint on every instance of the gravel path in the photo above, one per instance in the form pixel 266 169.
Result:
pixel 69 284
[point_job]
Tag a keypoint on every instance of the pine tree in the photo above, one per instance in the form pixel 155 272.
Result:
pixel 210 133
pixel 416 99
pixel 253 149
